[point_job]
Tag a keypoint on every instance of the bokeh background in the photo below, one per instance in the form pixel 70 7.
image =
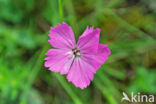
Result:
pixel 127 26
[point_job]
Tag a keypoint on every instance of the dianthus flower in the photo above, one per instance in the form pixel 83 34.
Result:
pixel 80 60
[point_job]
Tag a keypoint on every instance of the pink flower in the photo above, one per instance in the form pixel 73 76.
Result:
pixel 80 60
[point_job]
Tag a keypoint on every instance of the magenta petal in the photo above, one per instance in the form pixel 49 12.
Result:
pixel 84 68
pixel 96 60
pixel 103 50
pixel 62 36
pixel 80 73
pixel 59 60
pixel 87 31
pixel 89 40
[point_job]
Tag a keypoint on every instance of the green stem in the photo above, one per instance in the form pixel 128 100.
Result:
pixel 60 9
pixel 105 91
pixel 67 88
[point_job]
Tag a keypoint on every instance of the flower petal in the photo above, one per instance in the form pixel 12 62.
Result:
pixel 80 73
pixel 87 31
pixel 62 36
pixel 104 50
pixel 89 40
pixel 96 60
pixel 59 60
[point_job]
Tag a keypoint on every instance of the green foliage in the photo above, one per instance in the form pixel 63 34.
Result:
pixel 127 27
pixel 144 82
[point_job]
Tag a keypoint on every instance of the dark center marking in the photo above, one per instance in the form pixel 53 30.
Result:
pixel 76 52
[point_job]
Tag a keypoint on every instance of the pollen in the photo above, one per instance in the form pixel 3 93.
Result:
pixel 76 52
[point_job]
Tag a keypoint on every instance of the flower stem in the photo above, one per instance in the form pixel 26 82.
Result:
pixel 60 10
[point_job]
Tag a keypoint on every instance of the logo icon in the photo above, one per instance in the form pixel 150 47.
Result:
pixel 125 97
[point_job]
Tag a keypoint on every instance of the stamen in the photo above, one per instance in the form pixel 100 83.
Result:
pixel 76 52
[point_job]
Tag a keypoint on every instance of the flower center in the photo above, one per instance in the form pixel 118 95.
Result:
pixel 76 52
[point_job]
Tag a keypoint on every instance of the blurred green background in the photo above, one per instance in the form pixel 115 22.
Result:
pixel 127 26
